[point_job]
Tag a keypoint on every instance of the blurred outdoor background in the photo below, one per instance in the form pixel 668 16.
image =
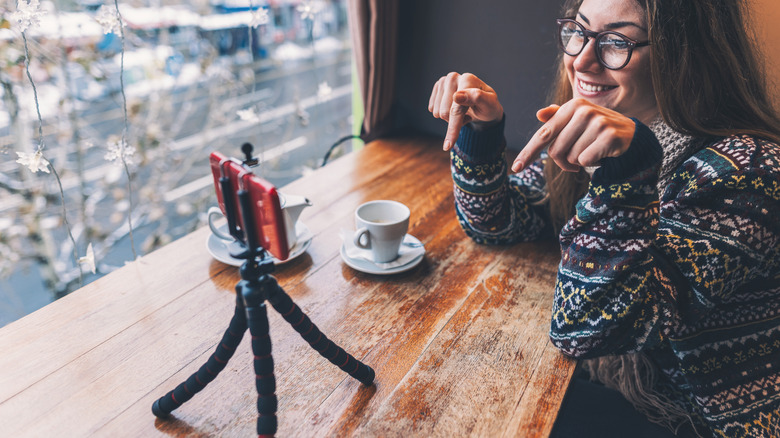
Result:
pixel 129 115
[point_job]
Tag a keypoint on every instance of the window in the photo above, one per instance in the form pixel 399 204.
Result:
pixel 129 115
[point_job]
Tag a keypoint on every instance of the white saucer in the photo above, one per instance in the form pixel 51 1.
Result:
pixel 218 248
pixel 370 267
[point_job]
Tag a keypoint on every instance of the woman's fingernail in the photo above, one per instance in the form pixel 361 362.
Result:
pixel 446 146
pixel 517 166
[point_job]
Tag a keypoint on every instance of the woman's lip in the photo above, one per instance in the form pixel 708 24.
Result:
pixel 592 89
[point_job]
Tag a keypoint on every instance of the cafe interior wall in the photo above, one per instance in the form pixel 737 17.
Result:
pixel 508 44
pixel 511 46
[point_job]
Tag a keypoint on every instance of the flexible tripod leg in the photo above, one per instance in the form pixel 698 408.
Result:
pixel 216 363
pixel 318 341
pixel 265 382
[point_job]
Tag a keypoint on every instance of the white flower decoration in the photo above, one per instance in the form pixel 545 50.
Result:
pixel 35 162
pixel 89 259
pixel 324 90
pixel 259 17
pixel 248 115
pixel 27 14
pixel 119 152
pixel 308 10
pixel 108 19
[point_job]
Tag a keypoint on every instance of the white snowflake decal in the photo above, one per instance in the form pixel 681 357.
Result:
pixel 89 259
pixel 308 10
pixel 324 90
pixel 35 162
pixel 248 115
pixel 27 15
pixel 108 19
pixel 120 152
pixel 259 17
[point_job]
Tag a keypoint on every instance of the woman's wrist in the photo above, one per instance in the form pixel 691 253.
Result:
pixel 645 152
pixel 481 126
pixel 482 145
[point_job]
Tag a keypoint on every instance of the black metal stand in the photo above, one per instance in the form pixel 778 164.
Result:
pixel 255 288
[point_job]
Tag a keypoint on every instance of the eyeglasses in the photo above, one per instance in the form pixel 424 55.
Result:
pixel 613 49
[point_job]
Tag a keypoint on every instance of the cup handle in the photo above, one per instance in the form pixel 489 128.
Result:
pixel 359 235
pixel 215 211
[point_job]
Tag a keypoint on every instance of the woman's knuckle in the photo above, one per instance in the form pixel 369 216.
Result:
pixel 468 79
pixel 543 133
pixel 580 102
pixel 586 112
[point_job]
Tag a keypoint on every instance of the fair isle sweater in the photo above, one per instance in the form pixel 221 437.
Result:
pixel 690 277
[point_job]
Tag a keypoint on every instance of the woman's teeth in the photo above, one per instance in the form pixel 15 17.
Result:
pixel 593 88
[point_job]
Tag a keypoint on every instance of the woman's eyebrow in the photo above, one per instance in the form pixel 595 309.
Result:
pixel 615 25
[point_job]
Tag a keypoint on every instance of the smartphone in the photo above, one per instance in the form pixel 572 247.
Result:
pixel 231 176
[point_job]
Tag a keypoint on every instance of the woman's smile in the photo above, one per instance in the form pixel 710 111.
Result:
pixel 592 89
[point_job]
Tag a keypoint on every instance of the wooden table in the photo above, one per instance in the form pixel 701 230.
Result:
pixel 459 343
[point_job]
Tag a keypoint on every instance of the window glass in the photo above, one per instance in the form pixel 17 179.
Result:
pixel 116 165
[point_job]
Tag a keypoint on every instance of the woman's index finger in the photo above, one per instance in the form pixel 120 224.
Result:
pixel 553 123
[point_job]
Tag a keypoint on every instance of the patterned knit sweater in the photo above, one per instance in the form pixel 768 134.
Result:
pixel 691 278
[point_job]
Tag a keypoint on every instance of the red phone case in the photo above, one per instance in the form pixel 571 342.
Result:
pixel 232 169
pixel 267 211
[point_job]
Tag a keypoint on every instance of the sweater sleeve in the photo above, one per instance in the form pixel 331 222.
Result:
pixel 493 207
pixel 632 272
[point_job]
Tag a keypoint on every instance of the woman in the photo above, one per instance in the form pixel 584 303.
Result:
pixel 662 180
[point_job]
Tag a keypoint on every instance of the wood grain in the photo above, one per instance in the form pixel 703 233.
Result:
pixel 459 343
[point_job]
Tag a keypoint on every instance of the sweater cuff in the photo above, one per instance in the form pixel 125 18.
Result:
pixel 644 152
pixel 482 145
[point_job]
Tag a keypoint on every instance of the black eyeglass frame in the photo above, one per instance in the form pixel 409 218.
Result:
pixel 632 44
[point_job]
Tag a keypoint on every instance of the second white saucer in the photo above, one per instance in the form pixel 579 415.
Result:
pixel 370 267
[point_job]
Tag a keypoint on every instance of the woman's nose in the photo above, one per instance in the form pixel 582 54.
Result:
pixel 587 60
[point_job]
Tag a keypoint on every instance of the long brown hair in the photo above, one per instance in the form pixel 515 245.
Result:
pixel 708 78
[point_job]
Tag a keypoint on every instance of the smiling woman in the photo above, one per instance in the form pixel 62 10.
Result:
pixel 613 77
pixel 659 178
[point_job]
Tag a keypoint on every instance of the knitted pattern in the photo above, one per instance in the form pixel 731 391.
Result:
pixel 690 278
pixel 677 148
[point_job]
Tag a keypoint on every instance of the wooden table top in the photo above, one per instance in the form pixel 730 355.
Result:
pixel 459 343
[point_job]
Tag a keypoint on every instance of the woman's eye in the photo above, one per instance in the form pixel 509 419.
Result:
pixel 615 43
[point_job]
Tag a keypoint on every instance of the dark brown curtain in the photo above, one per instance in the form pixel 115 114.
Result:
pixel 374 28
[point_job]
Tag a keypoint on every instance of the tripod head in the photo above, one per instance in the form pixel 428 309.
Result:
pixel 249 160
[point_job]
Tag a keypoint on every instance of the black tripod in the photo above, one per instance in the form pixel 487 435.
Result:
pixel 255 288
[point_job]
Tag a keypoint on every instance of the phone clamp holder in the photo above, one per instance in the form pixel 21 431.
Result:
pixel 255 288
pixel 249 160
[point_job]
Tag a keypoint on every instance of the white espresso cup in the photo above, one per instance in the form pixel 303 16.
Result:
pixel 381 227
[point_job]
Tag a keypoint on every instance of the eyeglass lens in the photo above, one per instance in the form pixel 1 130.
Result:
pixel 613 50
